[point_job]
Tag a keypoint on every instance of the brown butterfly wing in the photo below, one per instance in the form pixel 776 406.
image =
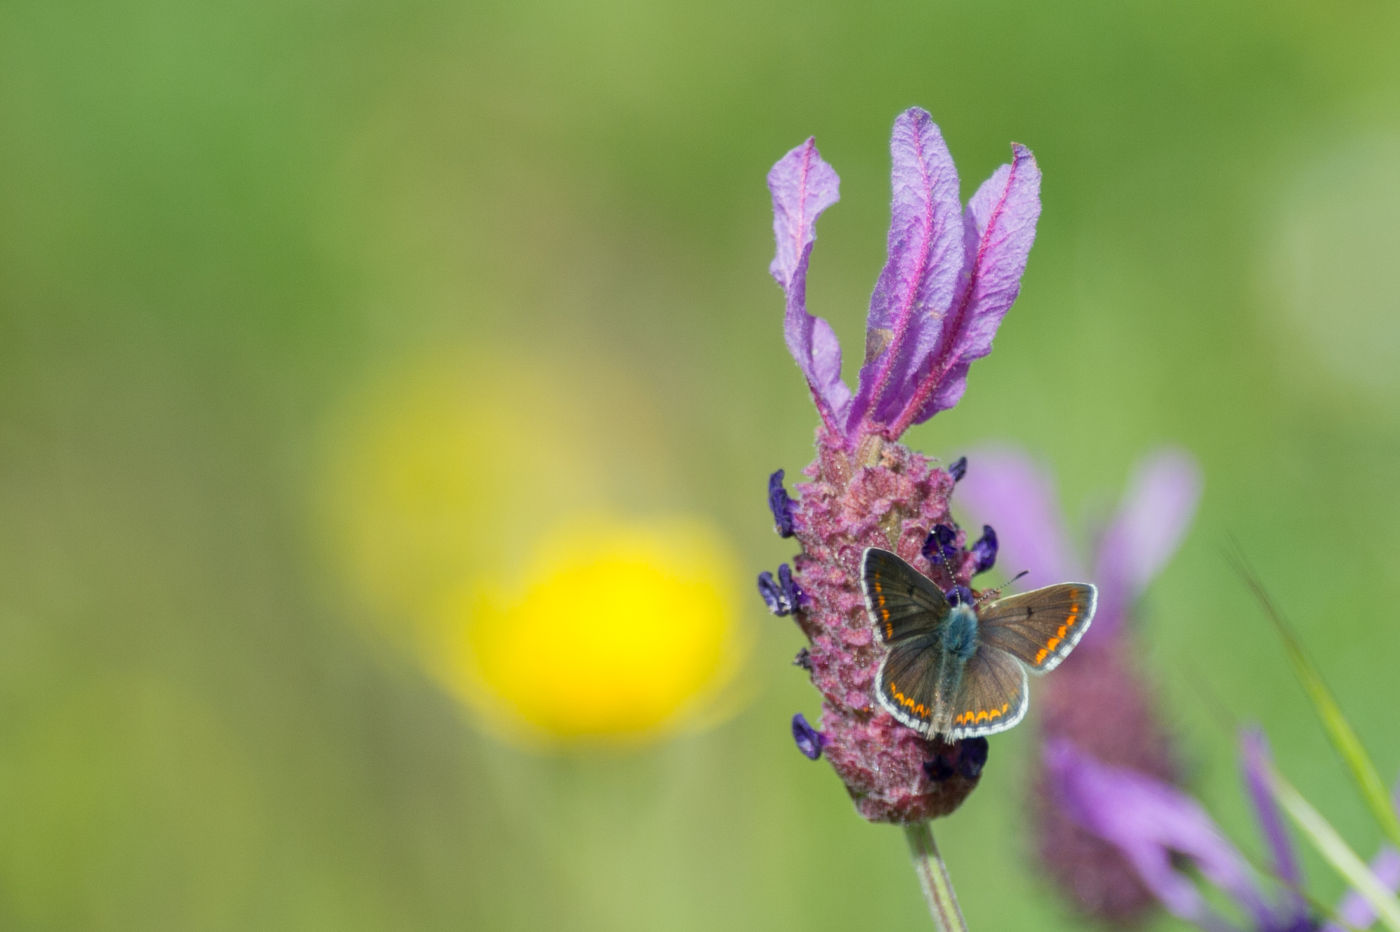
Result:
pixel 1040 627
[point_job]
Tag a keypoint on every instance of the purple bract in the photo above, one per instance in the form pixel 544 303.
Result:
pixel 951 274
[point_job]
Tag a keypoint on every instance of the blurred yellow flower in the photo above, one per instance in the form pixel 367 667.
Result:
pixel 612 631
pixel 444 462
pixel 453 503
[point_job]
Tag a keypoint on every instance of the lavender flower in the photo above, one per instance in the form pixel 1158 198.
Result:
pixel 1099 700
pixel 950 276
pixel 1154 826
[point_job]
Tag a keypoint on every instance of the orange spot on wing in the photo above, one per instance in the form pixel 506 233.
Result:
pixel 971 717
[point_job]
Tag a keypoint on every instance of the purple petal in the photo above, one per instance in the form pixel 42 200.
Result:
pixel 803 186
pixel 1005 489
pixel 922 272
pixel 1255 760
pixel 1153 517
pixel 1000 226
pixel 1150 822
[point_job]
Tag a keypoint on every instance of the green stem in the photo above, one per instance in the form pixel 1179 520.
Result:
pixel 933 877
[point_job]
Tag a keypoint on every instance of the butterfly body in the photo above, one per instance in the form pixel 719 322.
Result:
pixel 957 670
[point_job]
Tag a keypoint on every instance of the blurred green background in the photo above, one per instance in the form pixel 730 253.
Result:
pixel 226 226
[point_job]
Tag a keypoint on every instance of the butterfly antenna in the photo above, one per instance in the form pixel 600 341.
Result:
pixel 989 594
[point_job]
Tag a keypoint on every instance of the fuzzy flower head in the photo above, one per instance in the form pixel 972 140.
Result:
pixel 950 276
pixel 1157 830
pixel 1102 703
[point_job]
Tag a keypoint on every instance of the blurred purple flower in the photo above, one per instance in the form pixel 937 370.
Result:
pixel 1154 826
pixel 1007 489
pixel 950 276
pixel 1099 699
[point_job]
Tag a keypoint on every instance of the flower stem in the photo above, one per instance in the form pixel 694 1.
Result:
pixel 933 877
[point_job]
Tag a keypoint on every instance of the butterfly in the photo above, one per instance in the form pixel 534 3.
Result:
pixel 960 670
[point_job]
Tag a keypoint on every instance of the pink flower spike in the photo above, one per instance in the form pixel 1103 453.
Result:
pixel 803 185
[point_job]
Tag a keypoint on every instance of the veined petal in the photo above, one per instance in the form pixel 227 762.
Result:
pixel 1156 510
pixel 1150 822
pixel 1000 228
pixel 921 277
pixel 803 185
pixel 1007 490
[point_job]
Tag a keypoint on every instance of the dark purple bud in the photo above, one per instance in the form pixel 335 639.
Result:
pixel 809 741
pixel 965 759
pixel 938 768
pixel 772 594
pixel 782 595
pixel 803 660
pixel 791 590
pixel 972 757
pixel 960 595
pixel 985 550
pixel 958 468
pixel 781 505
pixel 941 544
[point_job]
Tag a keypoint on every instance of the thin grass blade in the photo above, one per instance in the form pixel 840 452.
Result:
pixel 1334 722
pixel 1335 851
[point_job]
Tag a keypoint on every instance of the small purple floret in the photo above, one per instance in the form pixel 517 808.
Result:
pixel 809 741
pixel 960 595
pixel 796 598
pixel 958 468
pixel 965 759
pixel 941 545
pixel 782 595
pixel 772 594
pixel 803 660
pixel 972 757
pixel 985 550
pixel 938 768
pixel 781 504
